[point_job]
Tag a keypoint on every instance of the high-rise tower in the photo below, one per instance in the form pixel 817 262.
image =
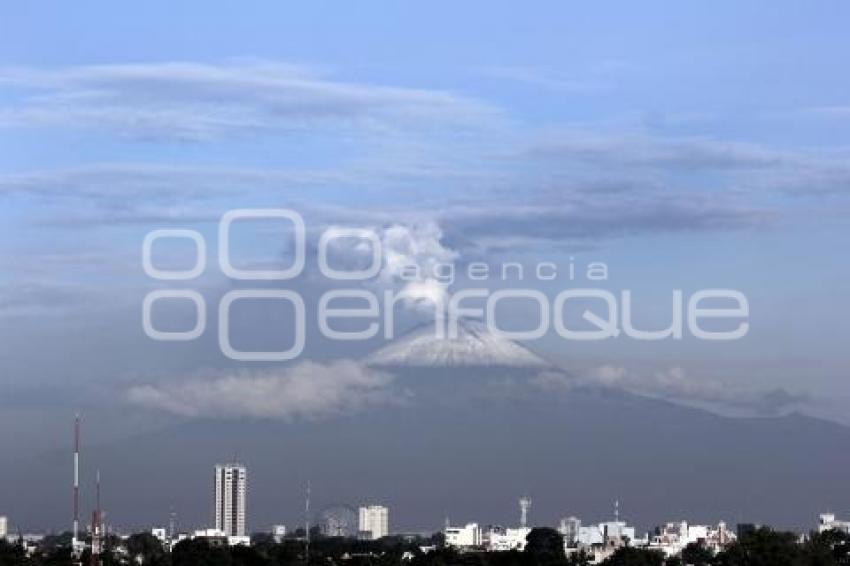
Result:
pixel 231 486
pixel 374 522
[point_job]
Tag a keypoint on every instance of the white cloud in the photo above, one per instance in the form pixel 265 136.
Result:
pixel 197 101
pixel 637 150
pixel 308 390
pixel 675 384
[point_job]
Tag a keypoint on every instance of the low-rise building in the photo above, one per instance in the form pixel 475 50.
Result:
pixel 598 541
pixel 468 536
pixel 828 522
pixel 219 537
pixel 160 534
pixel 499 539
pixel 278 533
pixel 672 538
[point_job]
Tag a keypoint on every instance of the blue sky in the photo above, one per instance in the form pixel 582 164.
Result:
pixel 687 145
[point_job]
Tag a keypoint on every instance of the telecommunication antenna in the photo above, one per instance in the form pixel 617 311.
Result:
pixel 97 526
pixel 616 510
pixel 307 524
pixel 524 506
pixel 76 534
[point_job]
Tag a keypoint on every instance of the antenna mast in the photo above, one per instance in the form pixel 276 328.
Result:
pixel 97 526
pixel 307 525
pixel 76 534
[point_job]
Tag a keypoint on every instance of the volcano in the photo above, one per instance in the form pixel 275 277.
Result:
pixel 474 346
pixel 467 427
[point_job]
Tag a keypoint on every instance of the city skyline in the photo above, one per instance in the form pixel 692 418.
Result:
pixel 230 518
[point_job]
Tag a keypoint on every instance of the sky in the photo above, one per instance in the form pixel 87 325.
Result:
pixel 686 146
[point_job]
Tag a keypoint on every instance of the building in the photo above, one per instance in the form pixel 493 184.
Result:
pixel 828 522
pixel 374 522
pixel 500 539
pixel 230 493
pixel 159 534
pixel 4 527
pixel 611 533
pixel 569 528
pixel 278 533
pixel 468 536
pixel 216 537
pixel 599 540
pixel 672 538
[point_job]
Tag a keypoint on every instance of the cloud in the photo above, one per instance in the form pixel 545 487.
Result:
pixel 698 164
pixel 676 384
pixel 308 390
pixel 44 299
pixel 157 182
pixel 573 211
pixel 572 188
pixel 581 219
pixel 198 101
pixel 647 151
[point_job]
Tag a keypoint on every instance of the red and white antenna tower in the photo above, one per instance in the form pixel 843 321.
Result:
pixel 76 481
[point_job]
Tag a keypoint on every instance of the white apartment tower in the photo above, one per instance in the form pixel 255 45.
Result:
pixel 374 522
pixel 230 492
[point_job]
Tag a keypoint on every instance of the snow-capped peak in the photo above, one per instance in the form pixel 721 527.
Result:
pixel 474 345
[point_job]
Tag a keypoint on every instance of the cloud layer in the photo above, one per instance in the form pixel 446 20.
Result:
pixel 197 102
pixel 677 385
pixel 308 390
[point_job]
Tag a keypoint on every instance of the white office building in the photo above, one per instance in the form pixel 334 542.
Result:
pixel 672 538
pixel 4 527
pixel 500 539
pixel 569 528
pixel 828 522
pixel 374 522
pixel 278 533
pixel 231 486
pixel 468 536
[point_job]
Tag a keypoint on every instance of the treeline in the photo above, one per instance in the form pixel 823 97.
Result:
pixel 763 547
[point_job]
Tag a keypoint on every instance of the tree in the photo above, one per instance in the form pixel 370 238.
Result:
pixel 763 547
pixel 629 556
pixel 696 554
pixel 199 552
pixel 828 548
pixel 145 549
pixel 11 554
pixel 545 545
